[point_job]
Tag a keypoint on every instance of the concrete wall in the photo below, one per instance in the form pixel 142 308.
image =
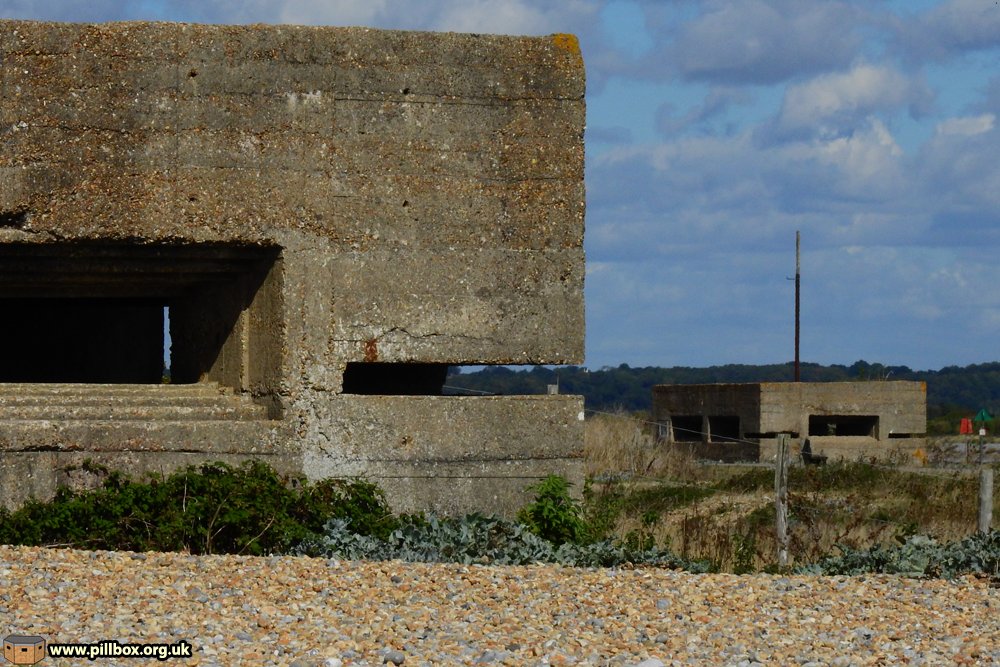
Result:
pixel 419 197
pixel 430 187
pixel 900 406
pixel 708 402
pixel 901 409
pixel 742 400
pixel 448 453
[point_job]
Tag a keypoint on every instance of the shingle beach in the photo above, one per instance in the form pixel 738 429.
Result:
pixel 301 611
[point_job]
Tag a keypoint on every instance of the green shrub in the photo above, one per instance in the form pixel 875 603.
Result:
pixel 471 539
pixel 554 515
pixel 213 508
pixel 550 529
pixel 744 550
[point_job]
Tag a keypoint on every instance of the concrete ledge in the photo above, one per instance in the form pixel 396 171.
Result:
pixel 489 488
pixel 69 402
pixel 208 438
pixel 448 453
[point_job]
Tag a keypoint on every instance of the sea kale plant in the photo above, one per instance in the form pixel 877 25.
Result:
pixel 919 556
pixel 475 538
pixel 550 529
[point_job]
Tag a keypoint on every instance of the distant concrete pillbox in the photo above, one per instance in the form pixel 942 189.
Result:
pixel 840 420
pixel 323 219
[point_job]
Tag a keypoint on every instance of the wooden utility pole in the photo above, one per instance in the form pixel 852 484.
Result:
pixel 798 281
pixel 985 499
pixel 781 500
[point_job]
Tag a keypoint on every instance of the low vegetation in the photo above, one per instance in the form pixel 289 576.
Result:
pixel 475 538
pixel 725 514
pixel 214 508
pixel 641 505
pixel 918 556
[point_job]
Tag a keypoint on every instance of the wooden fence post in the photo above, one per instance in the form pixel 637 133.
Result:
pixel 985 499
pixel 781 500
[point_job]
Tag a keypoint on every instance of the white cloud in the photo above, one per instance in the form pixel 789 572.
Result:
pixel 862 90
pixel 510 17
pixel 960 172
pixel 735 188
pixel 968 126
pixel 764 41
pixel 863 156
pixel 47 10
pixel 715 103
pixel 951 28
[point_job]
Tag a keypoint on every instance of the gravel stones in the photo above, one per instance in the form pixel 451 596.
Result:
pixel 320 612
pixel 395 657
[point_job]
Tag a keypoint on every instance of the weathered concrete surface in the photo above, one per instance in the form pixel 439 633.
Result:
pixel 442 453
pixel 301 199
pixel 453 163
pixel 876 419
pixel 446 453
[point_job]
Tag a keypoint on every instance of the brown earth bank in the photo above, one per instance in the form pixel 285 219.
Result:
pixel 298 611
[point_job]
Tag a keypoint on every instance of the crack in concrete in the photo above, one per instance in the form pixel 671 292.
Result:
pixel 417 336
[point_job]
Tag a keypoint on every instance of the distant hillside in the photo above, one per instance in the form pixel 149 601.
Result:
pixel 951 391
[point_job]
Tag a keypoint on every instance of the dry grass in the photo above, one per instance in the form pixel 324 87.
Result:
pixel 621 445
pixel 725 514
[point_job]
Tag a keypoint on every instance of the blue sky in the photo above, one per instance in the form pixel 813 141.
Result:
pixel 715 130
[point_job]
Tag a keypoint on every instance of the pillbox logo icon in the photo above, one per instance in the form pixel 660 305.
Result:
pixel 23 649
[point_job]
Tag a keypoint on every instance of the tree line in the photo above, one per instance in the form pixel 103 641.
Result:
pixel 952 392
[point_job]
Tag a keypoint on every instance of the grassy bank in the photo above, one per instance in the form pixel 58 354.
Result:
pixel 725 513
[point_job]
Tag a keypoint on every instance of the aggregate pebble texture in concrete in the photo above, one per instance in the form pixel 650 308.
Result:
pixel 332 215
pixel 300 611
